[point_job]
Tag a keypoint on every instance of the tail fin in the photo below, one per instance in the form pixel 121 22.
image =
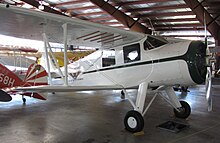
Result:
pixel 36 75
pixel 34 95
pixel 8 79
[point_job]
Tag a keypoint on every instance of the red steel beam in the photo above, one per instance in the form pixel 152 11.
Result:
pixel 186 35
pixel 167 14
pixel 132 10
pixel 19 4
pixel 121 27
pixel 155 8
pixel 121 17
pixel 69 3
pixel 179 25
pixel 81 8
pixel 36 4
pixel 107 22
pixel 172 20
pixel 200 11
pixel 213 11
pixel 92 13
pixel 211 3
pixel 179 29
pixel 101 18
pixel 141 2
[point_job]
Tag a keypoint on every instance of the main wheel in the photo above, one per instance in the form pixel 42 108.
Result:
pixel 122 95
pixel 185 110
pixel 133 121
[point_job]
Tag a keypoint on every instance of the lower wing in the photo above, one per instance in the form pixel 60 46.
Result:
pixel 64 88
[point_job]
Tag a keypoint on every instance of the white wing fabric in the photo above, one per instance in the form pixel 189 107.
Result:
pixel 31 24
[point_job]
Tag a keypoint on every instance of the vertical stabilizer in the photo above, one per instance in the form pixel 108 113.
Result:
pixel 8 79
pixel 36 75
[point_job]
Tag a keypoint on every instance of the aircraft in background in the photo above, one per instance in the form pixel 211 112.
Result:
pixel 36 75
pixel 56 62
pixel 17 58
pixel 72 56
pixel 124 60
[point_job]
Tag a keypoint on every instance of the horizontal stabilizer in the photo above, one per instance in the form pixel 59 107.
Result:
pixel 63 88
pixel 4 97
pixel 34 95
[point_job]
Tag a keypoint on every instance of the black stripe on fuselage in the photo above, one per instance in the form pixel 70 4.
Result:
pixel 138 64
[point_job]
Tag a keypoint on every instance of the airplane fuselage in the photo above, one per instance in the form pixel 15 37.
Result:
pixel 181 63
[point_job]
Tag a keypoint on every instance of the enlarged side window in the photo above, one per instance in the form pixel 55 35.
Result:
pixel 108 58
pixel 131 53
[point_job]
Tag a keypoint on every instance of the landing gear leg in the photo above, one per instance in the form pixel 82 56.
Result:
pixel 181 108
pixel 134 121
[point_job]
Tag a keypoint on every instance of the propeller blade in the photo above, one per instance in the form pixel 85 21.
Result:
pixel 208 81
pixel 209 88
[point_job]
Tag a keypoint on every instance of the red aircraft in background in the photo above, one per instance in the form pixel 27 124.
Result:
pixel 36 75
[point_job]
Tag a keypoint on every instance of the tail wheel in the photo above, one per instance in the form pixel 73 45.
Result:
pixel 133 121
pixel 185 110
pixel 184 88
pixel 24 100
pixel 122 95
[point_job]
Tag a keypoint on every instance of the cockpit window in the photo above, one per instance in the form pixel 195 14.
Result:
pixel 151 43
pixel 131 53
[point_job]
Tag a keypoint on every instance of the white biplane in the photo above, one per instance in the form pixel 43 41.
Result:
pixel 124 60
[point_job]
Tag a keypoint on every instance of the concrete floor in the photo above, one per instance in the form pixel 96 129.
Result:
pixel 97 117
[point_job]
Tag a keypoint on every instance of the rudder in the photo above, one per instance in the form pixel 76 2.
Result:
pixel 36 75
pixel 8 79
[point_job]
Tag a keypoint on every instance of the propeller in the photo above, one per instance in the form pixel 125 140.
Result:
pixel 208 81
pixel 209 88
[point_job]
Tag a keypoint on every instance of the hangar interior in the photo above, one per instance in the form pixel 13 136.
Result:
pixel 97 116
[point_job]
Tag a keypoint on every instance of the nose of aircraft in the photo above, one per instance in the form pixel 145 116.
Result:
pixel 196 60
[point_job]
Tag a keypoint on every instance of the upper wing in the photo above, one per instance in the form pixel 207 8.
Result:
pixel 31 24
pixel 63 88
pixel 6 48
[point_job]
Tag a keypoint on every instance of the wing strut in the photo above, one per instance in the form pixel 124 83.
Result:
pixel 65 52
pixel 47 58
pixel 53 57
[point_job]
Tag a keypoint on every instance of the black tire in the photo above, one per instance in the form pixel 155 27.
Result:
pixel 136 121
pixel 122 95
pixel 185 110
pixel 184 88
pixel 24 100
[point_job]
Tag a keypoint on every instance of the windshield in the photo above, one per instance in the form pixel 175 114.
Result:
pixel 152 42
